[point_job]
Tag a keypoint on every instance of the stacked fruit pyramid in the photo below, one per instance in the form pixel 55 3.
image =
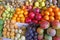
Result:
pixel 42 17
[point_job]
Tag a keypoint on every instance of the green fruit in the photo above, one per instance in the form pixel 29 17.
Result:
pixel 48 37
pixel 6 12
pixel 12 10
pixel 1 21
pixel 39 0
pixel 4 15
pixel 8 9
pixel 36 4
pixel 7 18
pixel 8 15
pixel 42 4
pixel 4 18
pixel 11 15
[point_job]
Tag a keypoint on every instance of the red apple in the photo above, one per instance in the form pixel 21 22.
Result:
pixel 44 24
pixel 28 20
pixel 35 21
pixel 38 17
pixel 31 15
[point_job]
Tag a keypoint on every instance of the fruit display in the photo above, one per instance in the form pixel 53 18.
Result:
pixel 52 13
pixel 9 29
pixel 30 20
pixel 8 13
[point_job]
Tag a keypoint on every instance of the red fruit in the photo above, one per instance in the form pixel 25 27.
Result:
pixel 37 10
pixel 56 24
pixel 35 21
pixel 44 24
pixel 56 38
pixel 28 20
pixel 30 7
pixel 38 17
pixel 31 15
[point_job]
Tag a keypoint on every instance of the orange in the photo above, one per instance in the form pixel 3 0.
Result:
pixel 56 9
pixel 25 13
pixel 52 6
pixel 50 9
pixel 18 19
pixel 46 13
pixel 13 18
pixel 15 15
pixel 23 7
pixel 51 13
pixel 46 17
pixel 18 13
pixel 57 13
pixel 51 18
pixel 21 15
pixel 18 9
pixel 22 19
pixel 22 11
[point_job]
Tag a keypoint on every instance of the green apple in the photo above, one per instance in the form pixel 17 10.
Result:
pixel 36 4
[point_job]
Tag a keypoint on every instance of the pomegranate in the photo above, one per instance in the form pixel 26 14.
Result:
pixel 31 15
pixel 38 17
pixel 28 20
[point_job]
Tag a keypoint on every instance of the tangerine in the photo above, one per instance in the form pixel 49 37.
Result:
pixel 51 13
pixel 46 13
pixel 51 18
pixel 50 9
pixel 46 17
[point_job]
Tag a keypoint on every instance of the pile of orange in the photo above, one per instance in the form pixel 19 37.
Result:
pixel 51 13
pixel 20 15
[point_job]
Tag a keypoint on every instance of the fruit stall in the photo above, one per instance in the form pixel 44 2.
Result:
pixel 29 19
